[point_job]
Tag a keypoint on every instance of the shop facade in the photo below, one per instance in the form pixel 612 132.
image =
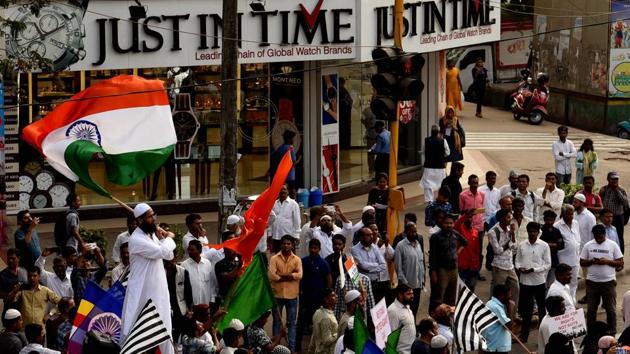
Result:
pixel 304 67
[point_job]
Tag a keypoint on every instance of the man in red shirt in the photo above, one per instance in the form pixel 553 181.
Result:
pixel 593 200
pixel 468 260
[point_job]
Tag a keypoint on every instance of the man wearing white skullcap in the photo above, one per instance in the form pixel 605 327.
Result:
pixel 327 228
pixel 352 299
pixel 148 246
pixel 12 340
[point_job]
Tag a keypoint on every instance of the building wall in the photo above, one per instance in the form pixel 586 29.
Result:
pixel 576 59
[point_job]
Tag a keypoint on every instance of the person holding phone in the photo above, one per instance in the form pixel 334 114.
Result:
pixel 27 239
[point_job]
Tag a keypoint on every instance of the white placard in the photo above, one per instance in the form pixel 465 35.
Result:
pixel 572 324
pixel 380 318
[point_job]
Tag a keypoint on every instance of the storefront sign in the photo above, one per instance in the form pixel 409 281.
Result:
pixel 429 25
pixel 407 110
pixel 619 69
pixel 3 202
pixel 382 328
pixel 102 35
pixel 571 324
pixel 330 132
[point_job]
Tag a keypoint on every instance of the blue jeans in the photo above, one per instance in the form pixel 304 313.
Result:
pixel 291 305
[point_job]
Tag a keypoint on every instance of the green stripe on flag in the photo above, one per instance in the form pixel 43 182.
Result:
pixel 360 332
pixel 122 169
pixel 392 342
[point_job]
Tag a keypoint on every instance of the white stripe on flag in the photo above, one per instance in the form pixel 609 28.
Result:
pixel 472 317
pixel 147 332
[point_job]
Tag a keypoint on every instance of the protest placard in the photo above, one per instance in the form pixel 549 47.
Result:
pixel 572 324
pixel 381 323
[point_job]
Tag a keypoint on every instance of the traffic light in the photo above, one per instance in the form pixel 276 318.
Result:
pixel 397 79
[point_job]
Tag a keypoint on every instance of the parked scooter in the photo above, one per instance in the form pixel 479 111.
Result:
pixel 531 100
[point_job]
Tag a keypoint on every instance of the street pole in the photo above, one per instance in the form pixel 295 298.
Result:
pixel 229 66
pixel 392 214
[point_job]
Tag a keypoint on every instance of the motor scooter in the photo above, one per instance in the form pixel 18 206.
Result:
pixel 531 101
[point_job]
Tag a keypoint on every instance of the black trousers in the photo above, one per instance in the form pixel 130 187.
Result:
pixel 306 310
pixel 379 289
pixel 618 223
pixel 415 304
pixel 381 164
pixel 527 295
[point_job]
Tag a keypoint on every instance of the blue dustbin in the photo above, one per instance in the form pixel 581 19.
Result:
pixel 316 197
pixel 302 197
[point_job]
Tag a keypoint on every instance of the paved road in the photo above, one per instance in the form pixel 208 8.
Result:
pixel 500 143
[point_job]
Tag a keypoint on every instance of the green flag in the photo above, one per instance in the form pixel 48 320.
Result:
pixel 250 296
pixel 360 331
pixel 392 342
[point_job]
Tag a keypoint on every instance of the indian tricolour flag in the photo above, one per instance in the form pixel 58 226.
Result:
pixel 125 121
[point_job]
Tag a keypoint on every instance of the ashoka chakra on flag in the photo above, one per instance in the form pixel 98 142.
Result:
pixel 125 120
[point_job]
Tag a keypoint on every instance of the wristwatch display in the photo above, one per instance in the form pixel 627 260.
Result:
pixel 56 33
pixel 40 200
pixel 44 180
pixel 186 126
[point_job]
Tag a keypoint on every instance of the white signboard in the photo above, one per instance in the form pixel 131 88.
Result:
pixel 572 324
pixel 429 25
pixel 380 318
pixel 513 50
pixel 98 34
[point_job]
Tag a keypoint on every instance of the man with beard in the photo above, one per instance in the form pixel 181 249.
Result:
pixel 444 248
pixel 327 228
pixel 148 246
pixel 400 315
pixel 409 259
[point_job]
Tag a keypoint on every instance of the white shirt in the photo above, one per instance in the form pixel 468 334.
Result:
pixel 625 310
pixel 326 240
pixel 401 315
pixel 63 288
pixel 213 255
pixel 543 333
pixel 117 272
pixel 305 237
pixel 557 289
pixel 570 254
pixel 586 221
pixel 563 163
pixel 502 257
pixel 147 280
pixel 122 237
pixel 287 220
pixel 555 198
pixel 521 229
pixel 388 254
pixel 606 250
pixel 530 203
pixel 202 279
pixel 490 201
pixel 189 237
pixel 34 347
pixel 536 256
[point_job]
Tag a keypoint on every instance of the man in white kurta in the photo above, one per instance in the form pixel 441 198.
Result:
pixel 148 247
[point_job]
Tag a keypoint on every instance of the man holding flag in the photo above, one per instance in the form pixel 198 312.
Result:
pixel 148 246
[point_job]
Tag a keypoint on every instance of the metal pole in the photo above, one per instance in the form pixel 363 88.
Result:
pixel 229 123
pixel 392 215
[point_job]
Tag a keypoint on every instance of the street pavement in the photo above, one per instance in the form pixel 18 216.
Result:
pixel 496 142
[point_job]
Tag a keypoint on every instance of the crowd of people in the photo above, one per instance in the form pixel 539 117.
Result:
pixel 536 248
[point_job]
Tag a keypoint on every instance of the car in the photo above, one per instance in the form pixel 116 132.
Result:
pixel 623 129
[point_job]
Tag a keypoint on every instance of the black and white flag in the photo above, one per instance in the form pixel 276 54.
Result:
pixel 147 332
pixel 472 317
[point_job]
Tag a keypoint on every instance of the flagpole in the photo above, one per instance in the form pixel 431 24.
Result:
pixel 517 339
pixel 121 203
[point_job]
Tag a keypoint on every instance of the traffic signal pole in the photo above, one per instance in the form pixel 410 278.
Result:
pixel 392 214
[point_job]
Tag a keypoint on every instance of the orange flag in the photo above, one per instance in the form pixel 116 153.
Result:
pixel 257 215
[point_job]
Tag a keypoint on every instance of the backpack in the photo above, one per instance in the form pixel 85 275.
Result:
pixel 531 195
pixel 60 230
